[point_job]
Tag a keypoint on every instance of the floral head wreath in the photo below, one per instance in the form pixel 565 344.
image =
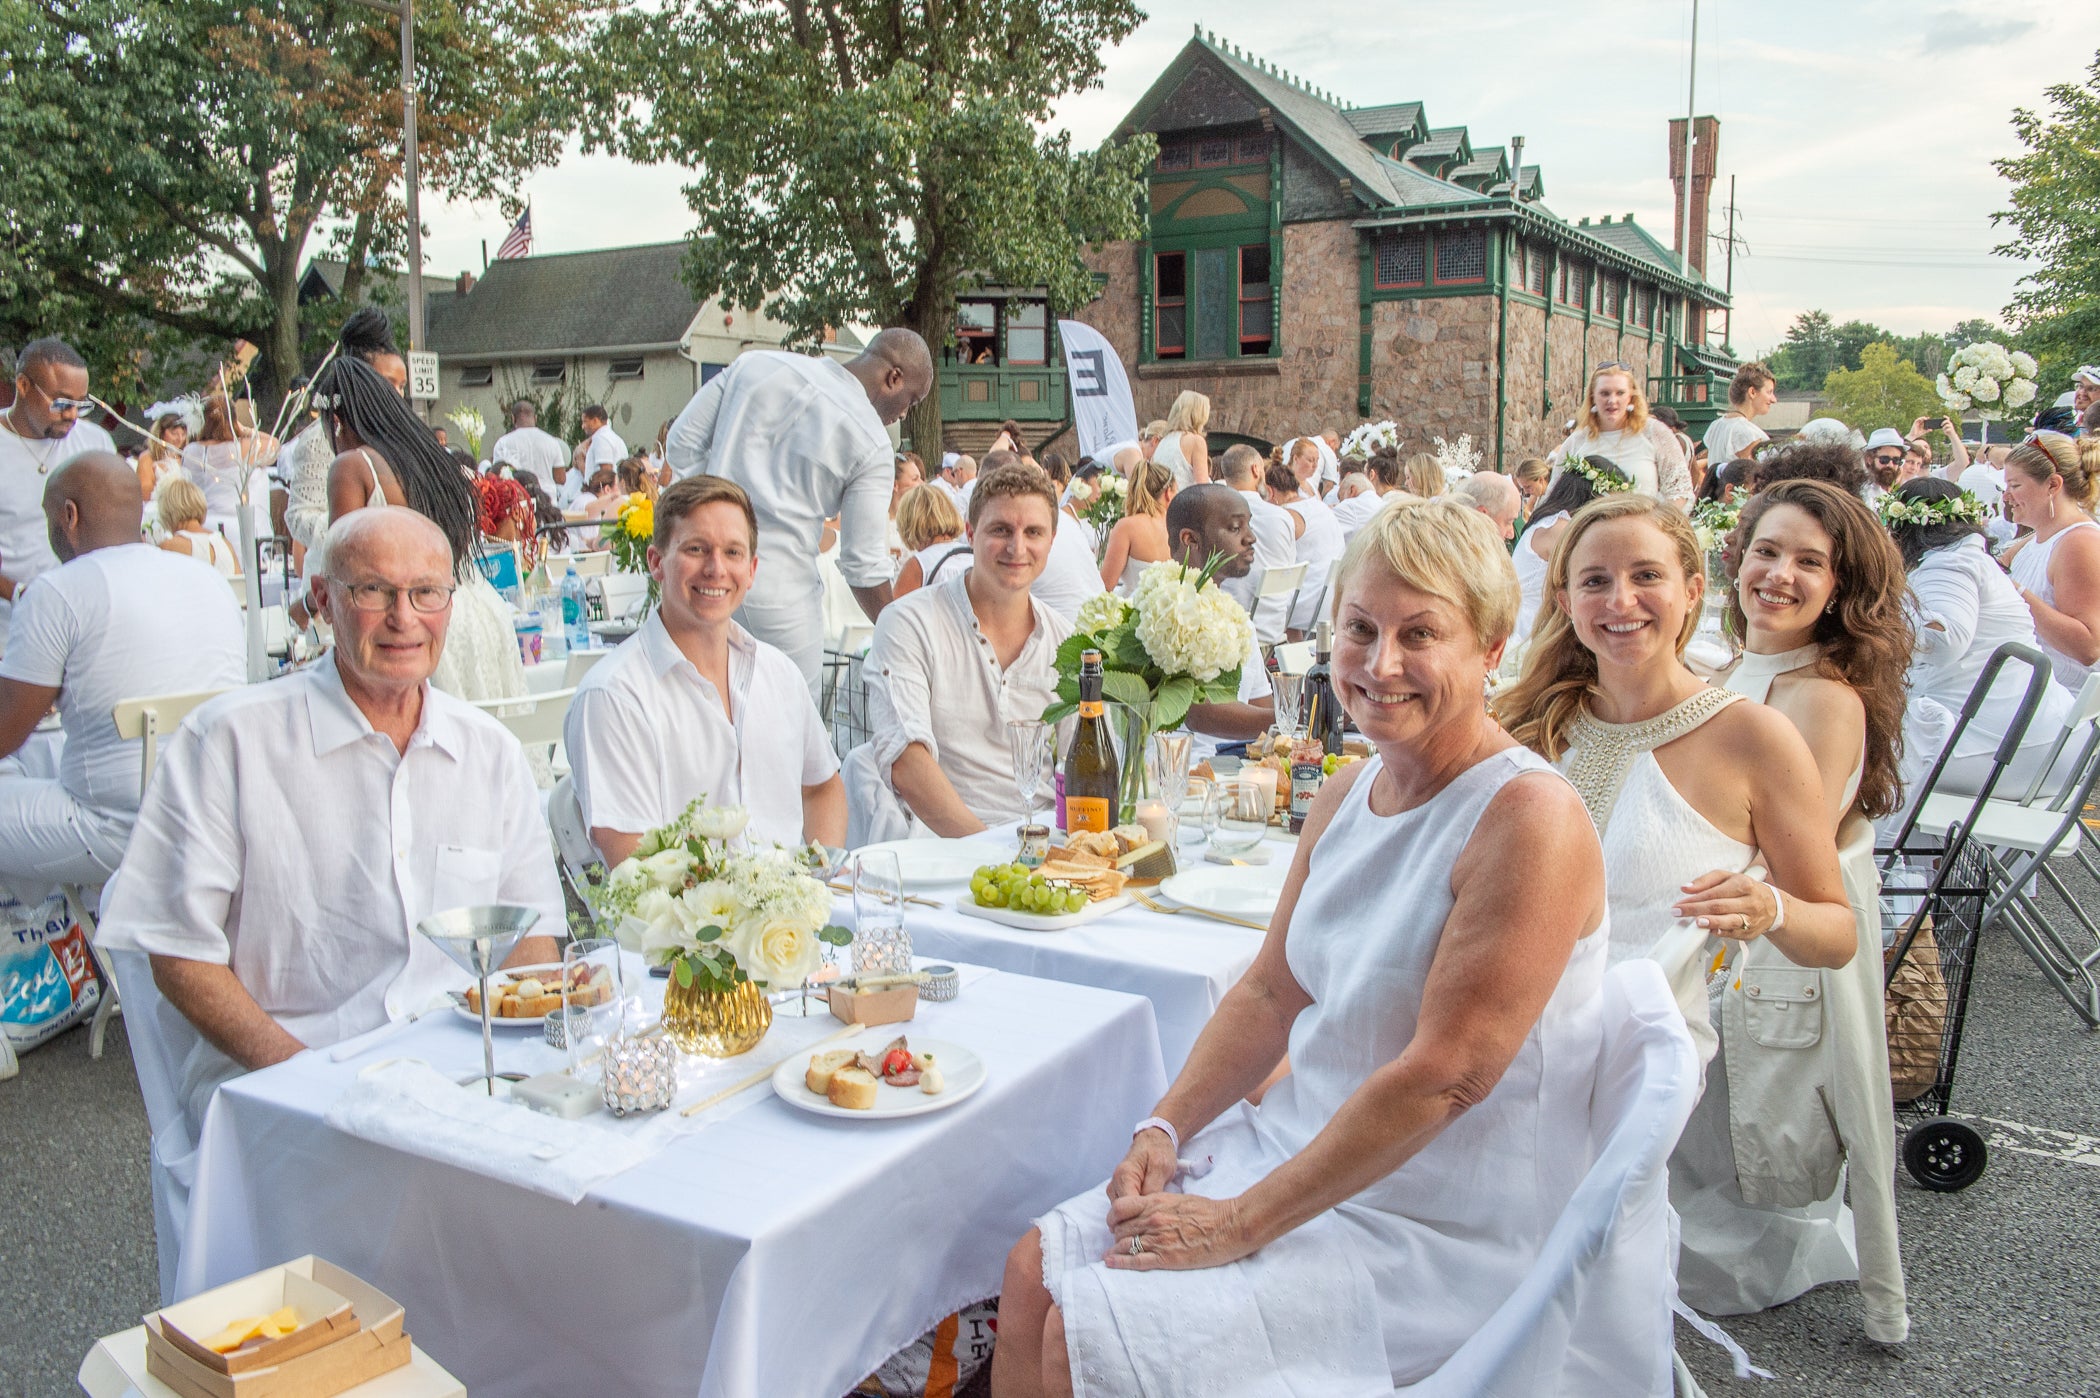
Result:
pixel 1611 481
pixel 1898 511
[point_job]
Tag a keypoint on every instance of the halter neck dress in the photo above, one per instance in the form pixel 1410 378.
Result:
pixel 2030 569
pixel 1757 1132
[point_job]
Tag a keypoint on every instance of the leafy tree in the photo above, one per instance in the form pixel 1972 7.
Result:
pixel 1809 354
pixel 2056 215
pixel 1884 391
pixel 868 161
pixel 175 159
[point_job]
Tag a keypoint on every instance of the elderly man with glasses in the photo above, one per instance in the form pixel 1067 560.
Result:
pixel 41 432
pixel 296 832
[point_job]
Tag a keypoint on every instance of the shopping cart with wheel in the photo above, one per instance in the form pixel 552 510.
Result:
pixel 1933 895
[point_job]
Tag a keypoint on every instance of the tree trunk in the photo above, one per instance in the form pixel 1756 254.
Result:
pixel 932 314
pixel 282 358
pixel 354 258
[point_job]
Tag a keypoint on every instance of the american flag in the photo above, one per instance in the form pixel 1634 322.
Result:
pixel 519 241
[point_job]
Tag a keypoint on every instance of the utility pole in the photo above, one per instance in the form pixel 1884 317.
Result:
pixel 1691 104
pixel 405 11
pixel 1728 334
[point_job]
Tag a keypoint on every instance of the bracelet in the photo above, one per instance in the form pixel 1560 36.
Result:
pixel 1158 1123
pixel 1778 908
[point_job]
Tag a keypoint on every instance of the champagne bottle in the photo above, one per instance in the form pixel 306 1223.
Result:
pixel 1090 765
pixel 1323 708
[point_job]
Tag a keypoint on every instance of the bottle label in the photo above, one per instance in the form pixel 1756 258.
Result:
pixel 1090 708
pixel 1086 813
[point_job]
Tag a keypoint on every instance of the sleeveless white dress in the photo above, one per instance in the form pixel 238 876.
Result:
pixel 210 548
pixel 1381 1289
pixel 2030 569
pixel 1168 454
pixel 1531 577
pixel 1740 1257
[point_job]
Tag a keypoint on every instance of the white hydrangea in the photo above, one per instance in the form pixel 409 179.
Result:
pixel 1201 634
pixel 1965 378
pixel 2019 393
pixel 1985 391
pixel 1102 612
pixel 2023 365
pixel 1959 402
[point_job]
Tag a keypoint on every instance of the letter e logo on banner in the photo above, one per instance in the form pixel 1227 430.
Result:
pixel 1103 414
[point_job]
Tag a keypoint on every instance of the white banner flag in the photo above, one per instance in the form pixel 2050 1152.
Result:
pixel 1102 411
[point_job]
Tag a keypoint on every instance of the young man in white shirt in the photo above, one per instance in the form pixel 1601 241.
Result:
pixel 117 619
pixel 951 665
pixel 808 440
pixel 527 448
pixel 1204 522
pixel 602 448
pixel 1275 544
pixel 1070 574
pixel 40 433
pixel 692 705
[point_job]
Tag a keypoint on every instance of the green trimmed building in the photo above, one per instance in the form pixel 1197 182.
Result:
pixel 1309 264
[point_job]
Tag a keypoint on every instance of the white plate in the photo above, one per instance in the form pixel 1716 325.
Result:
pixel 967 905
pixel 532 1022
pixel 940 863
pixel 1246 891
pixel 963 1069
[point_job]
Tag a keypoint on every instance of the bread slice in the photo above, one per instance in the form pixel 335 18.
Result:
pixel 822 1066
pixel 852 1088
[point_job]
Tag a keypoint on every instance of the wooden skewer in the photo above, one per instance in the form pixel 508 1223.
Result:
pixel 909 897
pixel 764 1074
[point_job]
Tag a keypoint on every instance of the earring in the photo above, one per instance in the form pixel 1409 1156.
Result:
pixel 2052 507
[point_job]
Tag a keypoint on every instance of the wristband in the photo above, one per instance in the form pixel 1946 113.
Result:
pixel 1161 1123
pixel 1778 909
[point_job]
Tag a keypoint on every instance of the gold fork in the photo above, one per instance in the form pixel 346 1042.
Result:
pixel 1158 907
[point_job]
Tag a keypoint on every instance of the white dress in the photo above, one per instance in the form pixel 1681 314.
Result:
pixel 1381 1289
pixel 208 547
pixel 1651 459
pixel 1740 1257
pixel 1531 576
pixel 1168 454
pixel 2030 569
pixel 1319 549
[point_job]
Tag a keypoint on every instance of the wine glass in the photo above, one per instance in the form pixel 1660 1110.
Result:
pixel 1236 817
pixel 1030 739
pixel 1289 690
pixel 1170 758
pixel 478 940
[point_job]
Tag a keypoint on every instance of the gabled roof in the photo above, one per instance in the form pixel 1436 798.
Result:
pixel 1630 238
pixel 1417 188
pixel 571 303
pixel 1443 141
pixel 1392 119
pixel 1489 163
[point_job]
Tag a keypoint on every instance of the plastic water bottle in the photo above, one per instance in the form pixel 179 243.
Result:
pixel 575 617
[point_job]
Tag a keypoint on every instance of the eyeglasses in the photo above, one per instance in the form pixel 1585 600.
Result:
pixel 1611 366
pixel 377 597
pixel 59 405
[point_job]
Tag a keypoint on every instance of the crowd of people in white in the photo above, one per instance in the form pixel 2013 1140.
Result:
pixel 1378 1101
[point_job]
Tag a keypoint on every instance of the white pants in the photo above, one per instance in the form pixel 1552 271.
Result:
pixel 795 627
pixel 47 837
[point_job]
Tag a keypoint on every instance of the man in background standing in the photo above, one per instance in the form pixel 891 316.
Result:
pixel 1275 545
pixel 807 438
pixel 602 447
pixel 526 448
pixel 39 434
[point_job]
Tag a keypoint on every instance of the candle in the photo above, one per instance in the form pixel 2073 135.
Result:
pixel 1263 777
pixel 1156 818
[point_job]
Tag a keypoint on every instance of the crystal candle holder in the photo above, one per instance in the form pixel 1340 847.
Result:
pixel 641 1075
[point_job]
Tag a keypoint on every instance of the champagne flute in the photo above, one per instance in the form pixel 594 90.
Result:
pixel 1029 739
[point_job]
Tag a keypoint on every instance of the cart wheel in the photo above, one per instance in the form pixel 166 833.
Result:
pixel 1944 1155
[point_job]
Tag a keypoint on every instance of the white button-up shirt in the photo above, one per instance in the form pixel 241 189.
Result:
pixel 283 837
pixel 646 736
pixel 603 448
pixel 1275 546
pixel 934 678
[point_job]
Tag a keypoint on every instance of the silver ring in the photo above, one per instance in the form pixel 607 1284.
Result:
pixel 1137 1245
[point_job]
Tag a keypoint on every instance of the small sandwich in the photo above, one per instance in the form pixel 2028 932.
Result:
pixel 823 1067
pixel 852 1087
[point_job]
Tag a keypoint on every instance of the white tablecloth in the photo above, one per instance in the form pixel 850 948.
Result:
pixel 770 1253
pixel 1183 964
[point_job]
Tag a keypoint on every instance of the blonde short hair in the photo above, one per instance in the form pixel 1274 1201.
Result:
pixel 1445 548
pixel 179 502
pixel 1190 412
pixel 926 516
pixel 1420 475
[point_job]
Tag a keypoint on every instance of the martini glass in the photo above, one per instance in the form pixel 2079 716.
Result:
pixel 479 940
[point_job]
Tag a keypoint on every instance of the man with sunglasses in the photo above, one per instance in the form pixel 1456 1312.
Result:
pixel 1885 451
pixel 39 433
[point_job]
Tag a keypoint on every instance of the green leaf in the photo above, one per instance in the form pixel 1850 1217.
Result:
pixel 1060 711
pixel 1126 688
pixel 709 933
pixel 1069 651
pixel 1128 651
pixel 683 970
pixel 835 935
pixel 1172 705
pixel 1225 689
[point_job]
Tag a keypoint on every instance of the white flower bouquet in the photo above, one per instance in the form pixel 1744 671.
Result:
pixel 1987 379
pixel 471 425
pixel 1106 505
pixel 1369 436
pixel 1179 640
pixel 716 915
pixel 1457 459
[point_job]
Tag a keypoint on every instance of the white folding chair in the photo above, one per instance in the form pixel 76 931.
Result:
pixel 579 664
pixel 1294 657
pixel 572 838
pixel 589 565
pixel 1276 582
pixel 146 720
pixel 533 719
pixel 626 595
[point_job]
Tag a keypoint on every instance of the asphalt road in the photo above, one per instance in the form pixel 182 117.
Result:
pixel 2003 1277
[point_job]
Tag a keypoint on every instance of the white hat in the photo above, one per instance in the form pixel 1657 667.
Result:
pixel 1831 432
pixel 1885 437
pixel 2087 374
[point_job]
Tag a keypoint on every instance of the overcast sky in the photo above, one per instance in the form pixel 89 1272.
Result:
pixel 1860 132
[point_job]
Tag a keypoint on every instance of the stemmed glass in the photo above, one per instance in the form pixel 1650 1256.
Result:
pixel 1236 816
pixel 1030 739
pixel 1170 758
pixel 1288 689
pixel 478 940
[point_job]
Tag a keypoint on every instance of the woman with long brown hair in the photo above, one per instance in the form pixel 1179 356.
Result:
pixel 1819 605
pixel 1139 538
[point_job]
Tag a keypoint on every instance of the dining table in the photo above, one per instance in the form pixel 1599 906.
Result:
pixel 757 1248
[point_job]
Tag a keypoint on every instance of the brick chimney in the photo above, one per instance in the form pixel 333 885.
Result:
pixel 464 283
pixel 1706 150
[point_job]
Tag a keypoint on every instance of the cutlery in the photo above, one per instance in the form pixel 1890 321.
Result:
pixel 1161 908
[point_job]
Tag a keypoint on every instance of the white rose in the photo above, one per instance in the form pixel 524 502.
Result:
pixel 627 879
pixel 656 908
pixel 710 904
pixel 667 868
pixel 1965 378
pixel 720 822
pixel 777 950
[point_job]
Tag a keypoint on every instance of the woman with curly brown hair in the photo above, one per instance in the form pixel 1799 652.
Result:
pixel 1819 604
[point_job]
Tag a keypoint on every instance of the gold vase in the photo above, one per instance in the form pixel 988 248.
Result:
pixel 715 1023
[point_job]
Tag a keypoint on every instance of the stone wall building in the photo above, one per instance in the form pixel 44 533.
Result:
pixel 1309 263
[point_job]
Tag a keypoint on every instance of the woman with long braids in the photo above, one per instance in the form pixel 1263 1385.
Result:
pixel 386 456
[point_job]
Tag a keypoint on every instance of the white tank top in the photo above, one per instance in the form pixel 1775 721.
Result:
pixel 207 547
pixel 1531 575
pixel 1168 454
pixel 2030 569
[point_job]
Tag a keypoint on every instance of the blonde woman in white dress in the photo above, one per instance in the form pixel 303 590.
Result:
pixel 181 509
pixel 1614 422
pixel 2051 484
pixel 1358 1226
pixel 1819 603
pixel 1182 448
pixel 1139 539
